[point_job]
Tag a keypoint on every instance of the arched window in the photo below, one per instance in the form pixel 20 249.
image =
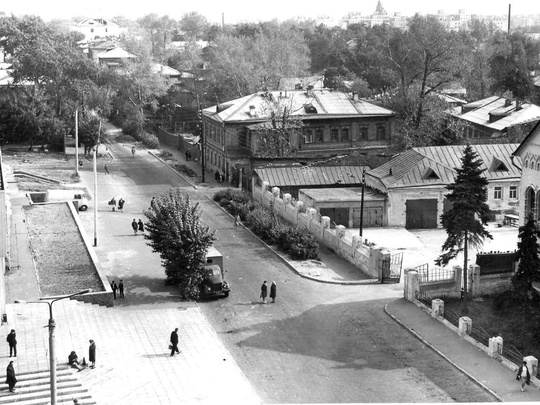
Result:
pixel 538 166
pixel 530 203
pixel 526 164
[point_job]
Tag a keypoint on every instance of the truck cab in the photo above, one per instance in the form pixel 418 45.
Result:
pixel 214 283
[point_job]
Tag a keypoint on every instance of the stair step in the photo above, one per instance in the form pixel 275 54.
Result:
pixel 40 387
pixel 38 375
pixel 23 397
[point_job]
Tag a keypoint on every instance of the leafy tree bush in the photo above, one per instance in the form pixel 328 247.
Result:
pixel 150 140
pixel 176 233
pixel 303 244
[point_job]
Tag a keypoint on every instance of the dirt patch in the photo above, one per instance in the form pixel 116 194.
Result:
pixel 63 263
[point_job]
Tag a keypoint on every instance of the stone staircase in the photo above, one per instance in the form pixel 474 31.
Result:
pixel 34 389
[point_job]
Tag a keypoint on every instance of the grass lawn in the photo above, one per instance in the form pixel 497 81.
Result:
pixel 501 316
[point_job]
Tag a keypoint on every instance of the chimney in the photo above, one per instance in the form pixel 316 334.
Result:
pixel 518 105
pixel 252 111
pixel 507 103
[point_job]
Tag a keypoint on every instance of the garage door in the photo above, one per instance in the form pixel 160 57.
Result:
pixel 421 214
pixel 373 216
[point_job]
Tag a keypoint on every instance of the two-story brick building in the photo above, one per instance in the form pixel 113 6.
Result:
pixel 333 123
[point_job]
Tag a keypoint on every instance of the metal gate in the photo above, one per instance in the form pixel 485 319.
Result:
pixel 391 268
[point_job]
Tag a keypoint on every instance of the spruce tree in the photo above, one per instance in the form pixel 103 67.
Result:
pixel 465 221
pixel 528 269
pixel 175 231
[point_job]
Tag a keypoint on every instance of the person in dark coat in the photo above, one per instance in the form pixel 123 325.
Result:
pixel 135 226
pixel 121 203
pixel 264 292
pixel 174 342
pixel 273 290
pixel 106 168
pixel 73 361
pixel 11 379
pixel 141 226
pixel 92 354
pixel 523 375
pixel 121 288
pixel 12 340
pixel 114 288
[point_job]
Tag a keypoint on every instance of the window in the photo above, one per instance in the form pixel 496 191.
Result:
pixel 319 132
pixel 344 136
pixel 513 192
pixel 334 134
pixel 308 135
pixel 381 132
pixel 497 195
pixel 363 132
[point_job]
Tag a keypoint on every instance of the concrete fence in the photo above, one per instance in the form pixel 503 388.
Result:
pixel 366 258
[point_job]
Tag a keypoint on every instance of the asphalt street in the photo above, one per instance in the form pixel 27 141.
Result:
pixel 317 343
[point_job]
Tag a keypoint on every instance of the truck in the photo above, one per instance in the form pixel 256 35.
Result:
pixel 214 283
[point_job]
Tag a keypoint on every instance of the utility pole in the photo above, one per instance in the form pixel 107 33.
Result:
pixel 362 201
pixel 95 187
pixel 77 143
pixel 509 16
pixel 201 140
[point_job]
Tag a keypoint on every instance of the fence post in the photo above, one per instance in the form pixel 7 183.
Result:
pixel 495 347
pixel 411 284
pixel 532 365
pixel 437 308
pixel 465 325
pixel 475 287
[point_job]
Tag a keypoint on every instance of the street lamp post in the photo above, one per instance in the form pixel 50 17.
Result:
pixel 52 325
pixel 362 201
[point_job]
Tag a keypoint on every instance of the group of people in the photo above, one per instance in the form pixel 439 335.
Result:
pixel 119 288
pixel 73 359
pixel 219 176
pixel 112 204
pixel 264 291
pixel 137 226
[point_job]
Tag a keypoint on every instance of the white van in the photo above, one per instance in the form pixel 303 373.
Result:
pixel 77 196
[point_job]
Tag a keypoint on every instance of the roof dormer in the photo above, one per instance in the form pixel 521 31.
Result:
pixel 497 165
pixel 430 174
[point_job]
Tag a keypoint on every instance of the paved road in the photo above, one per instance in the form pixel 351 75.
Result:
pixel 318 343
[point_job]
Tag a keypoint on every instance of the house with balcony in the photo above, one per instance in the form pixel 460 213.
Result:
pixel 327 124
pixel 496 120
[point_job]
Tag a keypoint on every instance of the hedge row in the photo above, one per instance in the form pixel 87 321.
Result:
pixel 292 239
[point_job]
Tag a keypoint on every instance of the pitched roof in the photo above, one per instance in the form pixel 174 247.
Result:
pixel 435 166
pixel 479 112
pixel 289 83
pixel 327 104
pixel 299 175
pixel 535 131
pixel 164 70
pixel 116 53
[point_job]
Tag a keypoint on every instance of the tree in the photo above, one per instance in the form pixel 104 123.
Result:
pixel 175 231
pixel 528 270
pixel 280 136
pixel 465 221
pixel 194 25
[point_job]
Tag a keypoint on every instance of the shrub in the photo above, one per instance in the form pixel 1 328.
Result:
pixel 150 140
pixel 165 154
pixel 231 194
pixel 131 128
pixel 303 244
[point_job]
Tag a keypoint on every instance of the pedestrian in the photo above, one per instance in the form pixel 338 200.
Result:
pixel 221 177
pixel 523 375
pixel 174 342
pixel 121 203
pixel 12 340
pixel 73 361
pixel 273 291
pixel 92 354
pixel 264 291
pixel 11 379
pixel 114 288
pixel 81 164
pixel 187 155
pixel 112 203
pixel 216 175
pixel 133 151
pixel 106 168
pixel 153 203
pixel 141 226
pixel 135 226
pixel 121 288
pixel 237 221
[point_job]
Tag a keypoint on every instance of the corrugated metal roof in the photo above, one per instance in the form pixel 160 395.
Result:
pixel 497 105
pixel 329 104
pixel 435 165
pixel 311 175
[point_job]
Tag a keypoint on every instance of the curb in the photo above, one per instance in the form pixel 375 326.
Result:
pixel 171 168
pixel 289 264
pixel 480 384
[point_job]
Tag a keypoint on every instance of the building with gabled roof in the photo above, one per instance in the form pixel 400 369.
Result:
pixel 332 123
pixel 115 57
pixel 415 182
pixel 93 28
pixel 527 156
pixel 497 119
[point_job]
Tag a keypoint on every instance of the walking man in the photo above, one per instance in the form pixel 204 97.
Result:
pixel 273 290
pixel 92 354
pixel 523 375
pixel 141 226
pixel 135 226
pixel 121 203
pixel 264 291
pixel 114 287
pixel 106 168
pixel 12 340
pixel 133 151
pixel 237 221
pixel 11 379
pixel 174 342
pixel 121 288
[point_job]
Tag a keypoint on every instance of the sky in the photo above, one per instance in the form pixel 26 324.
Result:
pixel 256 10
